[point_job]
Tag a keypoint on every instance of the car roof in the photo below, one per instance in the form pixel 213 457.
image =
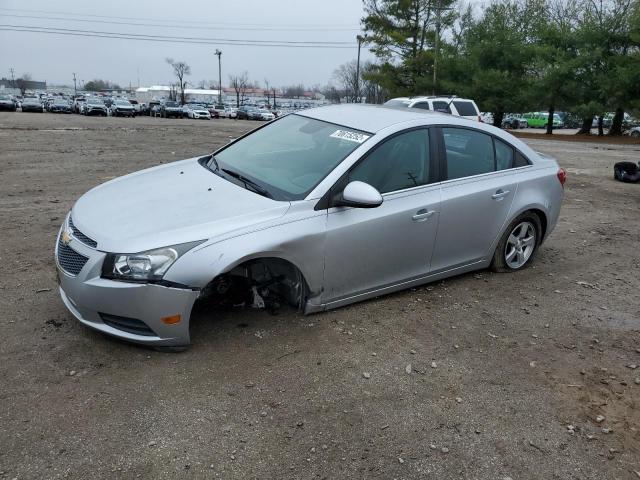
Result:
pixel 373 118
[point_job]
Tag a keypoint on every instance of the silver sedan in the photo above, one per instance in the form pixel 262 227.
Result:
pixel 316 209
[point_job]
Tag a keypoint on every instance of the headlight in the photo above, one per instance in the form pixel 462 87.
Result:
pixel 144 266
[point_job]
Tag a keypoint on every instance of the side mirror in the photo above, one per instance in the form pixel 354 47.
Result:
pixel 360 195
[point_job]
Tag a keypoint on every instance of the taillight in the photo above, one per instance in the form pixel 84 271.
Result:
pixel 562 176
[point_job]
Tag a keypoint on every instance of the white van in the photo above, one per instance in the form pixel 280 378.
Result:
pixel 461 107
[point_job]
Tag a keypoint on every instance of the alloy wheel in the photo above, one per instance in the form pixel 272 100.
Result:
pixel 520 245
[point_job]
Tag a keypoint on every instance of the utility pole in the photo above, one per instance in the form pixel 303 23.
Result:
pixel 219 54
pixel 361 40
pixel 75 90
pixel 13 81
pixel 436 44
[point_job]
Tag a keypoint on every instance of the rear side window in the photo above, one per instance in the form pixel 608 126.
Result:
pixel 440 106
pixel 468 152
pixel 422 105
pixel 465 109
pixel 504 155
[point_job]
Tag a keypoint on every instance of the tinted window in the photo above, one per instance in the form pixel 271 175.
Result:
pixel 440 106
pixel 468 152
pixel 504 155
pixel 401 162
pixel 422 105
pixel 465 109
pixel 520 160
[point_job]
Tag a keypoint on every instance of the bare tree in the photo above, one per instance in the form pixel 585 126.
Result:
pixel 347 79
pixel 23 82
pixel 180 69
pixel 239 83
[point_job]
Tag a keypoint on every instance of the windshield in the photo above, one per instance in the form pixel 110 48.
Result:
pixel 171 104
pixel 290 156
pixel 122 102
pixel 31 100
pixel 397 103
pixel 94 101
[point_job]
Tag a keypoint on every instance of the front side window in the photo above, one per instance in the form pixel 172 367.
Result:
pixel 400 162
pixel 422 105
pixel 468 152
pixel 290 156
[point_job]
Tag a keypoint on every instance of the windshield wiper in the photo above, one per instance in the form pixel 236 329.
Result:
pixel 248 183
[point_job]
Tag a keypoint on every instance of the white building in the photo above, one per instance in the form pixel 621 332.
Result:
pixel 159 92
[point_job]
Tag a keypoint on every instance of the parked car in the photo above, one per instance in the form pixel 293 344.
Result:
pixel 122 108
pixel 231 112
pixel 32 104
pixel 139 107
pixel 196 111
pixel 78 103
pixel 95 106
pixel 353 202
pixel 266 114
pixel 170 109
pixel 246 112
pixel 513 121
pixel 216 111
pixel 540 119
pixel 461 107
pixel 7 102
pixel 60 105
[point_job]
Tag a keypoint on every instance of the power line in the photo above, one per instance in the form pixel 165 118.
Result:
pixel 173 39
pixel 170 21
pixel 204 24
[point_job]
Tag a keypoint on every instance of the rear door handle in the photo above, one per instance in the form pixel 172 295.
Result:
pixel 422 214
pixel 500 194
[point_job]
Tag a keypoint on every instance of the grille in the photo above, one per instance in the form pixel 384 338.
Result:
pixel 81 236
pixel 130 325
pixel 69 260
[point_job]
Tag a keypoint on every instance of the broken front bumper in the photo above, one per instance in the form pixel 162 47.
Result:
pixel 130 311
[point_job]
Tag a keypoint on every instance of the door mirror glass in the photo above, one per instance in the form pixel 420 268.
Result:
pixel 360 195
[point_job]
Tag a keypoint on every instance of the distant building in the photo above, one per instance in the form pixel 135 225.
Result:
pixel 159 92
pixel 30 84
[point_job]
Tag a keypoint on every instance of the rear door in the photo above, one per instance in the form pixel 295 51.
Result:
pixel 476 196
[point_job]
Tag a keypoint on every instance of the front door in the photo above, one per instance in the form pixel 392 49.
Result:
pixel 371 248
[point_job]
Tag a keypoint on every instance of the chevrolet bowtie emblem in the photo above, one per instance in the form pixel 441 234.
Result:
pixel 66 238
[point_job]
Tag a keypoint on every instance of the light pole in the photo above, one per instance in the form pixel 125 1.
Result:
pixel 361 40
pixel 75 90
pixel 219 54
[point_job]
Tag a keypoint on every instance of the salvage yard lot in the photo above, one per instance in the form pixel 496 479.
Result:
pixel 483 376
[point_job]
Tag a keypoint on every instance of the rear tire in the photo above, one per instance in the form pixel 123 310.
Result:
pixel 518 244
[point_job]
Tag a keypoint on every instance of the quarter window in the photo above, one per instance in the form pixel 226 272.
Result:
pixel 401 162
pixel 504 155
pixel 468 152
pixel 465 109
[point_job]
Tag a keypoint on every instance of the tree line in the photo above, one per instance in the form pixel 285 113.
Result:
pixel 579 56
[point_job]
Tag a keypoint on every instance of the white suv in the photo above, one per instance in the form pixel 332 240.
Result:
pixel 461 107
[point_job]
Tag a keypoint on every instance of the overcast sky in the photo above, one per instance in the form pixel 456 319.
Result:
pixel 54 58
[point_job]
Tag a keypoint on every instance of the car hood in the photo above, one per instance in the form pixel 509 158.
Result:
pixel 168 205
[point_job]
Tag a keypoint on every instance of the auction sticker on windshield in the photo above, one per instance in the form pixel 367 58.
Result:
pixel 351 136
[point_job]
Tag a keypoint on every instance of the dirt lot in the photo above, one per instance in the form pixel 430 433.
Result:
pixel 523 364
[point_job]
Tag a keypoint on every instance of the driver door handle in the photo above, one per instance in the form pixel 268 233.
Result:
pixel 500 194
pixel 422 214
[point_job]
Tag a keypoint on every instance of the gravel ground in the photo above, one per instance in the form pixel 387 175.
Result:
pixel 483 376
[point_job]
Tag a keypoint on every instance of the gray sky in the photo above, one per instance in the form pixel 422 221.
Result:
pixel 54 58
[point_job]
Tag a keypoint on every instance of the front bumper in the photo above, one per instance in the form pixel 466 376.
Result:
pixel 92 300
